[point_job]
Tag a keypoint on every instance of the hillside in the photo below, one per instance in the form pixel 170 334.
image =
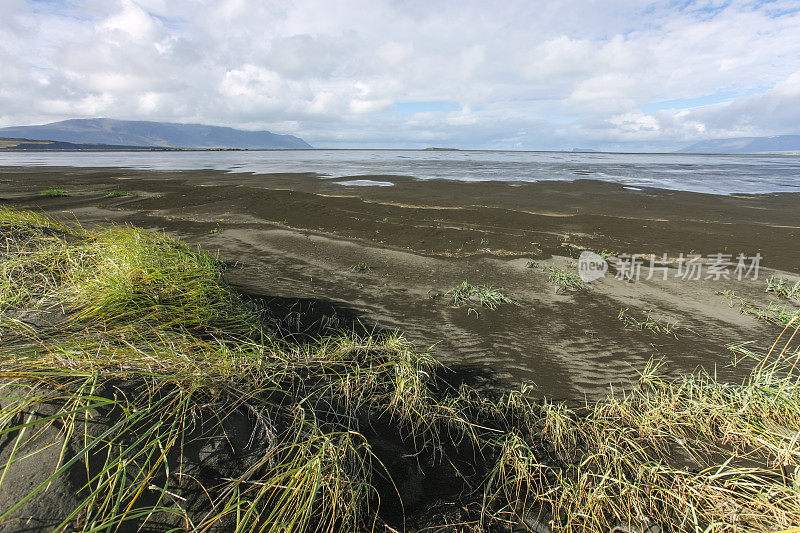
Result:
pixel 153 134
pixel 16 145
pixel 745 145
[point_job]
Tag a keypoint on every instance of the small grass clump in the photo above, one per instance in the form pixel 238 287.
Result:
pixel 780 315
pixel 657 325
pixel 776 314
pixel 783 287
pixel 608 254
pixel 565 280
pixel 53 193
pixel 119 194
pixel 484 295
pixel 360 267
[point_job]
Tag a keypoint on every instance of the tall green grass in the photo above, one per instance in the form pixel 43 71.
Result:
pixel 686 454
pixel 118 277
pixel 158 353
pixel 133 465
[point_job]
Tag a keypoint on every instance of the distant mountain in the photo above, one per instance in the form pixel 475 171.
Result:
pixel 746 145
pixel 583 150
pixel 160 134
pixel 15 145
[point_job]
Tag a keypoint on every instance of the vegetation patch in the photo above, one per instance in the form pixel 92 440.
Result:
pixel 54 193
pixel 657 325
pixel 360 267
pixel 783 287
pixel 780 315
pixel 483 295
pixel 116 277
pixel 119 194
pixel 565 280
pixel 164 401
pixel 608 254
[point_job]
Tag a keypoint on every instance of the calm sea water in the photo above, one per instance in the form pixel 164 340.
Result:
pixel 719 174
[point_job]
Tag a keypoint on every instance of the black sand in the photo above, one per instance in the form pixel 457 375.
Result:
pixel 294 238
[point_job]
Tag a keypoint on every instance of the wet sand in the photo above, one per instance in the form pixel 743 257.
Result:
pixel 294 238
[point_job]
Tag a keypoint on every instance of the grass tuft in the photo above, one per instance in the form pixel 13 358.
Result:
pixel 657 325
pixel 360 267
pixel 783 287
pixel 119 194
pixel 53 193
pixel 565 280
pixel 484 295
pixel 780 315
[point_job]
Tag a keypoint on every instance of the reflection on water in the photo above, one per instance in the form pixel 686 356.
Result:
pixel 365 183
pixel 718 174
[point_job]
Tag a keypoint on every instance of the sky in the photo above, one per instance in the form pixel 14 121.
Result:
pixel 527 75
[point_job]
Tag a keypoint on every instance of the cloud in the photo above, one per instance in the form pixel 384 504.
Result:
pixel 533 75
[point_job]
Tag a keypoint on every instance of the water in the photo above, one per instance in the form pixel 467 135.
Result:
pixel 716 174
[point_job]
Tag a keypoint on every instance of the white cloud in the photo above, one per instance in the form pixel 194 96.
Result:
pixel 393 53
pixel 518 74
pixel 465 117
pixel 132 22
pixel 607 93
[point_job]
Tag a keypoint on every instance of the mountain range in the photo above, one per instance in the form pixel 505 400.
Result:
pixel 153 134
pixel 111 134
pixel 27 145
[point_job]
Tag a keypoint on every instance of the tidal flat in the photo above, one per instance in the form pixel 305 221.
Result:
pixel 413 357
pixel 387 256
